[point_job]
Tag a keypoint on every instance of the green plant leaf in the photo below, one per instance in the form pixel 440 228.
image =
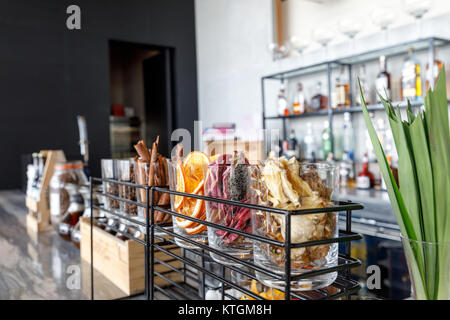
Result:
pixel 436 117
pixel 395 197
pixel 424 173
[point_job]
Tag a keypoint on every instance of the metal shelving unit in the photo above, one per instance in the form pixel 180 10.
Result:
pixel 194 272
pixel 426 44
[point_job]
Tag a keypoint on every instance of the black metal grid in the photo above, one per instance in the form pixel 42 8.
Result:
pixel 164 243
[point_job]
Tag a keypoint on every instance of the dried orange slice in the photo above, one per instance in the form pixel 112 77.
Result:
pixel 194 166
pixel 180 187
pixel 194 208
pixel 197 229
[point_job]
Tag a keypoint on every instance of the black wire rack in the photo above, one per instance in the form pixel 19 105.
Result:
pixel 187 273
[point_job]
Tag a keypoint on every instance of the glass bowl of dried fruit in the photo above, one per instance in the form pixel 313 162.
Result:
pixel 290 185
pixel 187 174
pixel 229 177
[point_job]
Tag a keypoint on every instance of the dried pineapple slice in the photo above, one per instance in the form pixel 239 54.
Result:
pixel 300 185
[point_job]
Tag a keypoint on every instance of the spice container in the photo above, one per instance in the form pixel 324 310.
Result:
pixel 229 178
pixel 143 172
pixel 75 235
pixel 290 185
pixel 109 171
pixel 126 174
pixel 188 175
pixel 66 202
pixel 59 195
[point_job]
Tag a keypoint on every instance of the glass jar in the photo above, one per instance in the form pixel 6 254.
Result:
pixel 229 182
pixel 75 235
pixel 66 202
pixel 142 170
pixel 126 174
pixel 293 186
pixel 63 175
pixel 109 171
pixel 187 206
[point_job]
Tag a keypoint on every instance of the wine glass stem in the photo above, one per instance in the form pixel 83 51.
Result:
pixel 419 27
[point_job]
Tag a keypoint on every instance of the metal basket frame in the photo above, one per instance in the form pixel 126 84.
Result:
pixel 153 242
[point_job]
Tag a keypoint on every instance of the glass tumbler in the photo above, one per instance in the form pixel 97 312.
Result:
pixel 126 174
pixel 293 186
pixel 109 171
pixel 187 206
pixel 229 182
pixel 142 170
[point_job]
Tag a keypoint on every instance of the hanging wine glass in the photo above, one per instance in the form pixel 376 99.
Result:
pixel 300 43
pixel 350 28
pixel 383 18
pixel 278 51
pixel 417 9
pixel 323 36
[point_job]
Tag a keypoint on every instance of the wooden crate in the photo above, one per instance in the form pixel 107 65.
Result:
pixel 122 261
pixel 254 150
pixel 38 218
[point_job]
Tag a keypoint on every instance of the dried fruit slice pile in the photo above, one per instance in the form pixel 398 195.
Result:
pixel 190 179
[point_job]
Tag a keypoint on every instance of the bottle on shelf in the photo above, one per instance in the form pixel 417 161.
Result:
pixel 341 91
pixel 292 148
pixel 432 76
pixel 383 81
pixel 326 140
pixel 364 86
pixel 298 106
pixel 365 179
pixel 411 78
pixel 347 172
pixel 282 102
pixel 348 139
pixel 309 144
pixel 394 173
pixel 319 101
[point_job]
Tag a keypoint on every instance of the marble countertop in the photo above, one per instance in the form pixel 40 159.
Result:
pixel 42 269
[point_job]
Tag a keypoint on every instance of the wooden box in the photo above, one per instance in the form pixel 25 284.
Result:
pixel 123 261
pixel 38 218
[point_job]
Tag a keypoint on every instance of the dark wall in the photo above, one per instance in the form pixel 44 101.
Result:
pixel 49 74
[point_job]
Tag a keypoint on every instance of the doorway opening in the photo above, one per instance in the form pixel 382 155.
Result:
pixel 142 96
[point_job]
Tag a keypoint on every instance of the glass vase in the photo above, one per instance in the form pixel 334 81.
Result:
pixel 429 269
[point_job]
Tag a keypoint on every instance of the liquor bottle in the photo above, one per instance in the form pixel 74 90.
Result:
pixel 309 143
pixel 383 81
pixel 282 102
pixel 365 179
pixel 299 101
pixel 346 172
pixel 326 140
pixel 411 78
pixel 319 101
pixel 291 146
pixel 394 173
pixel 348 143
pixel 432 77
pixel 364 86
pixel 342 92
